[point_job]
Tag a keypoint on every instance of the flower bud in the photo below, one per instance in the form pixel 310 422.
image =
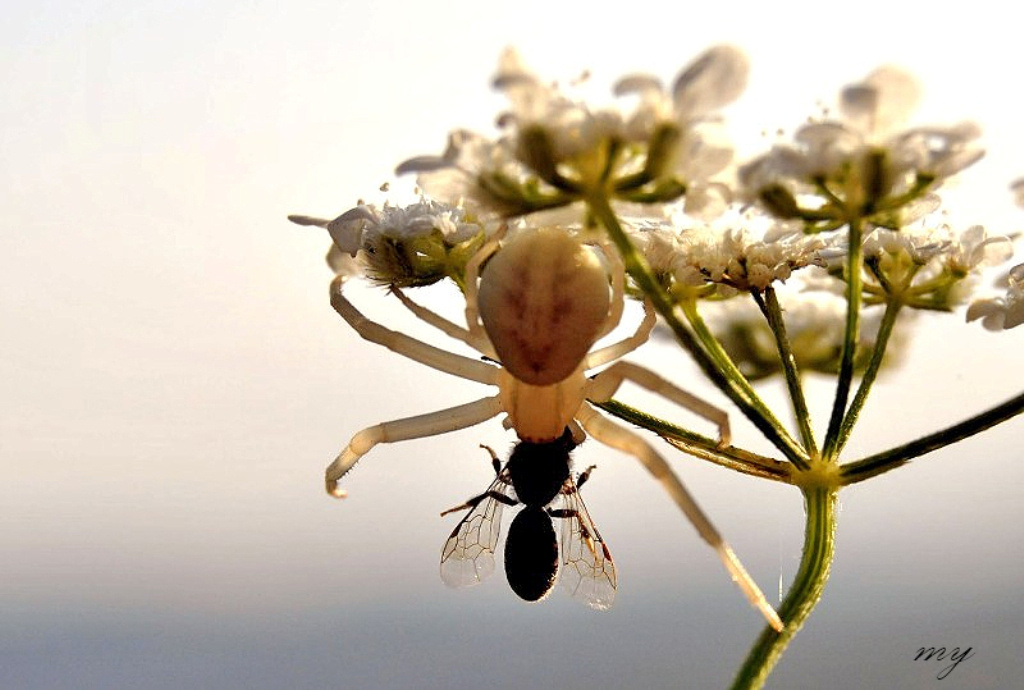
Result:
pixel 779 201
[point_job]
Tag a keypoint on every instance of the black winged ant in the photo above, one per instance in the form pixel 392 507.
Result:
pixel 537 476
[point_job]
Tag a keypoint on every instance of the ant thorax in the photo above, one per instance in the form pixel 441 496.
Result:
pixel 539 470
pixel 543 300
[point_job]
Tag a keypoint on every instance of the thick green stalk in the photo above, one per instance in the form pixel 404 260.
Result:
pixel 805 592
pixel 879 463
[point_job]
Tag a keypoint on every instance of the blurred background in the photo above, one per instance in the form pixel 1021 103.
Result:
pixel 173 380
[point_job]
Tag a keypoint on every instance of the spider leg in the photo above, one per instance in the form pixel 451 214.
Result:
pixel 620 438
pixel 578 435
pixel 430 424
pixel 476 329
pixel 603 386
pixel 618 273
pixel 444 325
pixel 624 347
pixel 448 362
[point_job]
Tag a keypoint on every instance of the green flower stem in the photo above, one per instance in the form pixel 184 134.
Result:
pixel 805 592
pixel 773 312
pixel 892 310
pixel 874 465
pixel 781 438
pixel 638 269
pixel 854 278
pixel 739 460
pixel 831 200
pixel 702 447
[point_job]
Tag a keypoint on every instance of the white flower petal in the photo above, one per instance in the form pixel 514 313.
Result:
pixel 826 146
pixel 347 229
pixel 707 201
pixel 309 220
pixel 882 102
pixel 512 71
pixel 919 208
pixel 704 152
pixel 991 311
pixel 1014 315
pixel 1000 313
pixel 1017 187
pixel 642 84
pixel 421 164
pixel 713 80
pixel 342 263
pixel 940 151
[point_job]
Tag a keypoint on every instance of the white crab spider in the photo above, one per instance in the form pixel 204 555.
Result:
pixel 538 308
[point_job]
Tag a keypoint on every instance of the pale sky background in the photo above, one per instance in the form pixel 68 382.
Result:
pixel 174 381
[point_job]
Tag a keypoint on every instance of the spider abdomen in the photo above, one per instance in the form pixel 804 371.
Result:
pixel 543 299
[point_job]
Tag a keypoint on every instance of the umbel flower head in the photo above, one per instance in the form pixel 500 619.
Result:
pixel 861 165
pixel 726 257
pixel 556 150
pixel 403 246
pixel 928 265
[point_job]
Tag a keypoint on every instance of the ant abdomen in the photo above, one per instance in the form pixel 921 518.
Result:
pixel 531 554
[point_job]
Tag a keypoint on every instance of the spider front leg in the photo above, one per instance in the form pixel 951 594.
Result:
pixel 434 357
pixel 618 275
pixel 622 348
pixel 473 266
pixel 620 438
pixel 412 427
pixel 602 387
pixel 431 424
pixel 482 345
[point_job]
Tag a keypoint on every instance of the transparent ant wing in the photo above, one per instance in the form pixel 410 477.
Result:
pixel 468 555
pixel 588 571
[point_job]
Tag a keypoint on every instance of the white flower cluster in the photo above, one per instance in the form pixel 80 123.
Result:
pixel 400 245
pixel 862 160
pixel 941 248
pixel 733 255
pixel 556 147
pixel 366 227
pixel 928 264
